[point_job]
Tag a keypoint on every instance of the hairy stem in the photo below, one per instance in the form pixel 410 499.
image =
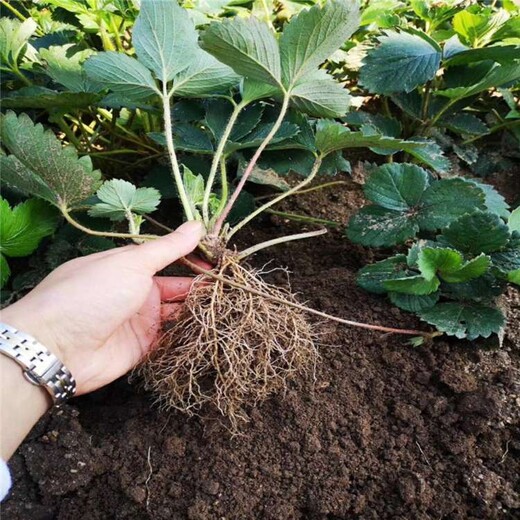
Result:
pixel 13 10
pixel 108 234
pixel 249 169
pixel 224 279
pixel 173 156
pixel 216 159
pixel 267 205
pixel 158 224
pixel 304 218
pixel 65 128
pixel 224 187
pixel 309 190
pixel 281 240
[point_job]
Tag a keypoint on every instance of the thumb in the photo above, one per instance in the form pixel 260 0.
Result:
pixel 157 254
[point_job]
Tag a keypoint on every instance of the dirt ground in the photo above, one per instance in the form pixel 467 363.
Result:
pixel 386 431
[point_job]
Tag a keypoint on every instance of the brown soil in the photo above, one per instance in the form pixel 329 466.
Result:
pixel 386 431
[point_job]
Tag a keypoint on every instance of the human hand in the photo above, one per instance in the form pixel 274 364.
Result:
pixel 101 313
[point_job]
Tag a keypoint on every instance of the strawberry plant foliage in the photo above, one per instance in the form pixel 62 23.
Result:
pixel 406 201
pixel 400 63
pixel 39 166
pixel 23 227
pixel 461 260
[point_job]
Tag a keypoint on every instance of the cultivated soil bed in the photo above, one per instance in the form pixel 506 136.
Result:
pixel 386 431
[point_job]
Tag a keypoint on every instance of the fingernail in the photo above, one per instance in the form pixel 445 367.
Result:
pixel 192 227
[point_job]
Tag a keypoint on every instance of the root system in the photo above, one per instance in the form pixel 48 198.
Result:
pixel 228 347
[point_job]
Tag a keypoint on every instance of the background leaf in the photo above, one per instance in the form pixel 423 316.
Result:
pixel 322 97
pixel 14 36
pixel 448 199
pixel 371 277
pixel 41 97
pixel 313 35
pixel 416 284
pixel 498 75
pixel 248 46
pixel 477 233
pixel 24 226
pixel 514 220
pixel 205 75
pixel 164 38
pixel 40 166
pixel 376 227
pixel 414 302
pixel 400 63
pixel 119 198
pixel 122 74
pixel 464 320
pixel 5 270
pixel 64 64
pixel 331 136
pixel 396 186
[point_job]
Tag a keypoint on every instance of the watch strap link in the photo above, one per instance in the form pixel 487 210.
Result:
pixel 40 366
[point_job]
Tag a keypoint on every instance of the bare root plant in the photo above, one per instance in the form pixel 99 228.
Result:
pixel 229 347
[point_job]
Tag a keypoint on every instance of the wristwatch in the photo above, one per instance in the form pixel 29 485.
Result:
pixel 40 366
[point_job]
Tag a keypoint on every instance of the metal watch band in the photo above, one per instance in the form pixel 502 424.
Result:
pixel 40 366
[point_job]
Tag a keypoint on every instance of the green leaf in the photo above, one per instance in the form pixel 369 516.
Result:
pixel 482 289
pixel 313 35
pixel 332 136
pixel 396 186
pixel 253 90
pixel 465 320
pixel 508 258
pixel 414 284
pixel 414 302
pixel 400 63
pixel 497 76
pixel 498 53
pixel 477 233
pixel 448 199
pixel 41 97
pixel 5 271
pixel 122 74
pixel 14 37
pixel 495 203
pixel 321 97
pixel 371 277
pixel 466 124
pixel 204 76
pixel 64 64
pixel 476 29
pixel 164 38
pixel 469 270
pixel 187 138
pixel 514 277
pixel 264 177
pixel 194 186
pixel 432 260
pixel 450 265
pixel 429 153
pixel 257 136
pixel 24 226
pixel 375 226
pixel 40 166
pixel 119 199
pixel 248 46
pixel 514 220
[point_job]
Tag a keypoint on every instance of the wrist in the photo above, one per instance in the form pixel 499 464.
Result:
pixel 21 405
pixel 32 321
